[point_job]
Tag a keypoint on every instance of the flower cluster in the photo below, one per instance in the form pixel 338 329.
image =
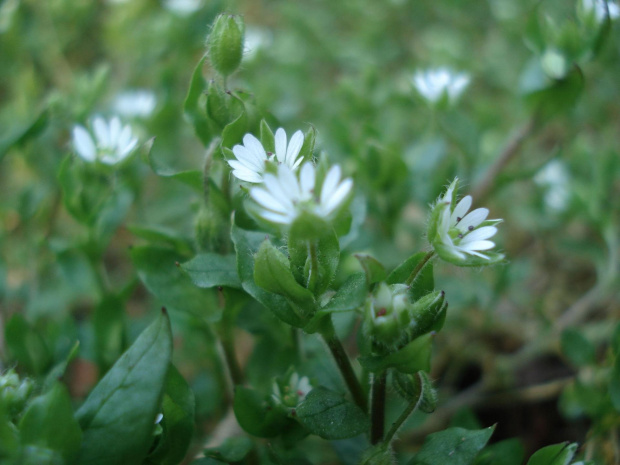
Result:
pixel 112 143
pixel 460 236
pixel 288 188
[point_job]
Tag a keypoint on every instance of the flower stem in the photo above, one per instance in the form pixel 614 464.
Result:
pixel 227 340
pixel 344 364
pixel 377 408
pixel 389 437
pixel 418 269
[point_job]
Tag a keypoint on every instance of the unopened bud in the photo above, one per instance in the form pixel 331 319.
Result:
pixel 225 43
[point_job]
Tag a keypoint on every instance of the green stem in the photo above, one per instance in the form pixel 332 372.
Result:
pixel 377 408
pixel 389 437
pixel 227 339
pixel 418 269
pixel 344 364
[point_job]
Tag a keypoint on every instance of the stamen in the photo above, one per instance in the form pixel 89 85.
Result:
pixel 458 218
pixel 382 311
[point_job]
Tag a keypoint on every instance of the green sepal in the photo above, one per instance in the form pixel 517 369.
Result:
pixel 221 106
pixel 234 131
pixel 416 388
pixel 470 260
pixel 414 357
pixel 272 272
pixel 310 231
pixel 307 148
pixel 428 313
pixel 374 270
pixel 246 245
pixel 266 137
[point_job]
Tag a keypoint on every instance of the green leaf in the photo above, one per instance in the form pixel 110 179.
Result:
pixel 453 446
pixel 192 178
pixel 246 245
pixel 118 416
pixel 424 282
pixel 177 423
pixel 375 271
pixel 329 415
pixel 235 130
pixel 181 244
pixel 272 273
pixel 191 107
pixel 112 213
pixel 577 348
pixel 414 357
pixel 21 133
pixel 58 371
pixel 110 331
pixel 48 423
pixel 256 415
pixel 158 271
pixel 211 270
pixel 350 296
pixel 26 345
pixel 506 452
pixel 557 454
pixel 231 450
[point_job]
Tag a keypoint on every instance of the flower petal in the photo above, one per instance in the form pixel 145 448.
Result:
pixel 479 234
pixel 476 245
pixel 461 209
pixel 294 146
pixel 306 180
pixel 280 142
pixel 339 195
pixel 473 219
pixel 330 183
pixel 249 158
pixel 267 200
pixel 115 132
pixel 83 143
pixel 102 132
pixel 254 146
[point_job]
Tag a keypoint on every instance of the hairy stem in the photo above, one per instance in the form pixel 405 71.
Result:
pixel 344 364
pixel 377 409
pixel 389 437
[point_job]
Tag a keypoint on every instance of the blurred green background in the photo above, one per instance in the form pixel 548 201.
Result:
pixel 513 349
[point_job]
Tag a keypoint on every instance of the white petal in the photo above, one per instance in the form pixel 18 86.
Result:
pixel 254 146
pixel 338 196
pixel 123 138
pixel 110 158
pixel 128 148
pixel 306 179
pixel 477 245
pixel 477 254
pixel 101 132
pixel 330 183
pixel 115 132
pixel 249 158
pixel 461 209
pixel 479 234
pixel 297 163
pixel 280 140
pixel 278 218
pixel 266 199
pixel 294 146
pixel 289 182
pixel 473 219
pixel 275 188
pixel 83 143
pixel 247 175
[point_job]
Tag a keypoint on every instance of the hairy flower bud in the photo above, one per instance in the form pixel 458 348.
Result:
pixel 225 43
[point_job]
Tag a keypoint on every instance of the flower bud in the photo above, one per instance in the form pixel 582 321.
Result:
pixel 225 44
pixel 14 393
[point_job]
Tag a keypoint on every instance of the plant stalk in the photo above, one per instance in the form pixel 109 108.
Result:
pixel 418 269
pixel 377 408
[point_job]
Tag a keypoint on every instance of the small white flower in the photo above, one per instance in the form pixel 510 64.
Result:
pixel 135 103
pixel 290 394
pixel 600 8
pixel 285 196
pixel 459 232
pixel 251 162
pixel 112 143
pixel 433 84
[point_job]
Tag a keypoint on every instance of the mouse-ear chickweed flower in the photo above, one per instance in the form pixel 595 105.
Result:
pixel 459 236
pixel 286 195
pixel 440 83
pixel 252 158
pixel 290 391
pixel 112 143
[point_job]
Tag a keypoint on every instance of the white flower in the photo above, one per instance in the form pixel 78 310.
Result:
pixel 555 179
pixel 600 10
pixel 183 7
pixel 285 196
pixel 290 394
pixel 135 103
pixel 112 143
pixel 455 232
pixel 252 158
pixel 433 84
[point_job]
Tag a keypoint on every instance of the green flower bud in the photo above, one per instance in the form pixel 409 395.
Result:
pixel 290 390
pixel 225 44
pixel 392 319
pixel 14 393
